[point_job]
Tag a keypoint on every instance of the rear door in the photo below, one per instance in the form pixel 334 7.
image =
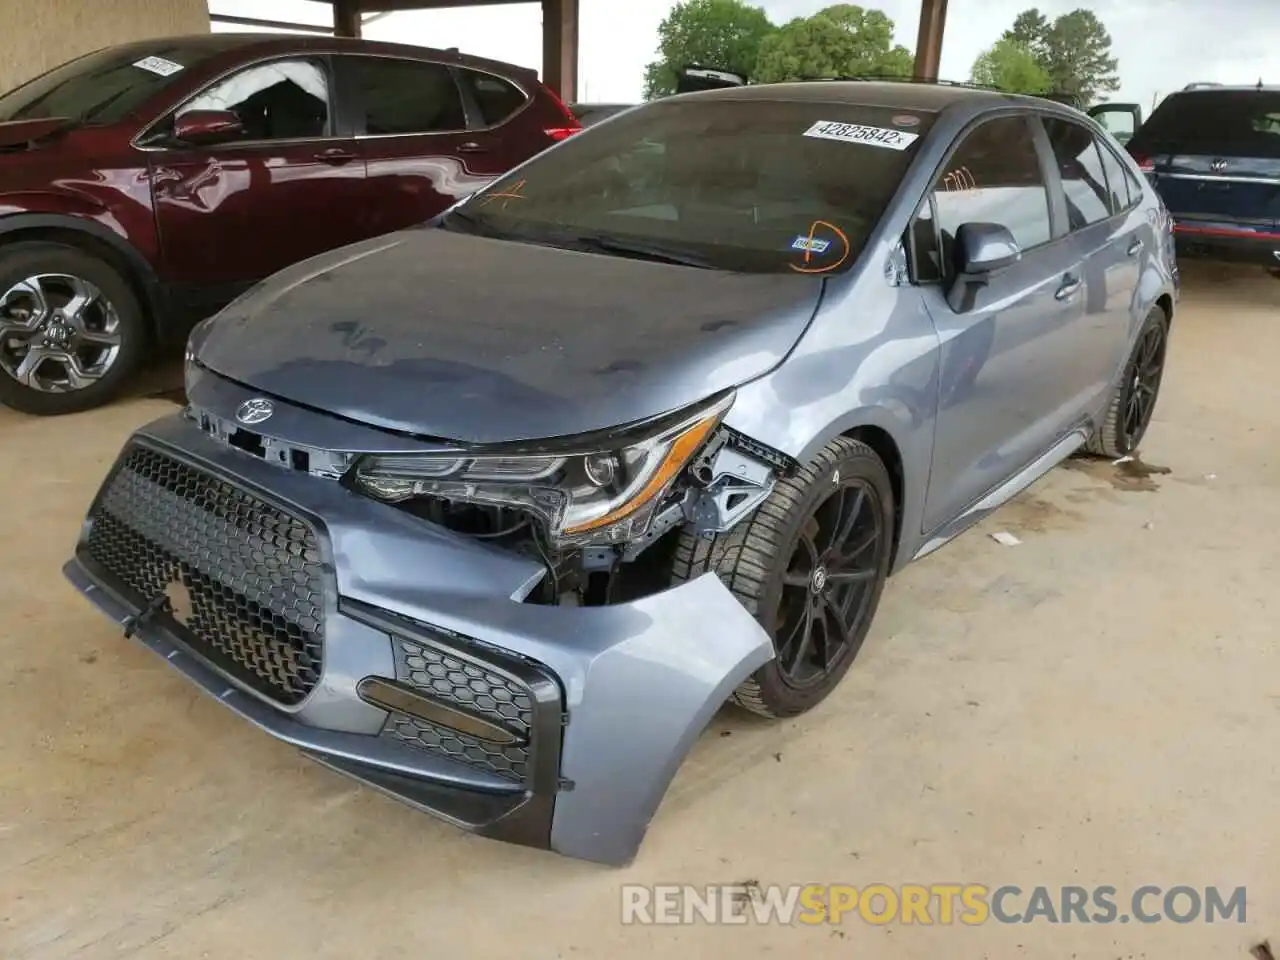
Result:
pixel 1214 155
pixel 1109 247
pixel 1005 393
pixel 412 133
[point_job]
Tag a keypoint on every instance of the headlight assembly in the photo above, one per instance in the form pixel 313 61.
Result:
pixel 593 492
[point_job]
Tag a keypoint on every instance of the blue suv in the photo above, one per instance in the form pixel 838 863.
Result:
pixel 1213 153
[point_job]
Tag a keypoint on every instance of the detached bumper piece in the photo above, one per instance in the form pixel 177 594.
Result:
pixel 239 587
pixel 399 653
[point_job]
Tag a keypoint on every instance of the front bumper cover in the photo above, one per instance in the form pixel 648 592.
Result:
pixel 618 693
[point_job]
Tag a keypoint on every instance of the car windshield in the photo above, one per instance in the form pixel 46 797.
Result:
pixel 746 185
pixel 105 86
pixel 1217 121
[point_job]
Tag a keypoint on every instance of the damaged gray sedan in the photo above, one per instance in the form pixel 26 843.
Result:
pixel 494 514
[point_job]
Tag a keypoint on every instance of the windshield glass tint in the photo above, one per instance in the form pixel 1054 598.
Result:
pixel 102 87
pixel 744 185
pixel 1218 121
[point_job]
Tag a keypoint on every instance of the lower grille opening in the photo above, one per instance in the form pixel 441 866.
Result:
pixel 499 699
pixel 244 578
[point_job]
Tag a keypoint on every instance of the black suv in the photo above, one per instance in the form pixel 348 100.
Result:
pixel 1213 153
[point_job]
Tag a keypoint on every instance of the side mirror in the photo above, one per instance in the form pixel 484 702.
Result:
pixel 983 248
pixel 207 126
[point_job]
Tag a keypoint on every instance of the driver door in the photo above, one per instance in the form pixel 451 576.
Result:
pixel 1006 387
pixel 287 188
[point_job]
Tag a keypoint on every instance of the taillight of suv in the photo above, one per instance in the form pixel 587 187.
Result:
pixel 1145 163
pixel 571 124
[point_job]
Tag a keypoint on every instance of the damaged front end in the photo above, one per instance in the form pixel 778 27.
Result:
pixel 598 512
pixel 491 634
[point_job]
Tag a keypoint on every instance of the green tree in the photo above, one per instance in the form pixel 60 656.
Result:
pixel 723 34
pixel 841 40
pixel 1074 50
pixel 1010 66
pixel 1079 57
pixel 1030 31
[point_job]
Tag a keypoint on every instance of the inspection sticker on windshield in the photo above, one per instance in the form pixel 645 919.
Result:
pixel 810 244
pixel 859 133
pixel 158 65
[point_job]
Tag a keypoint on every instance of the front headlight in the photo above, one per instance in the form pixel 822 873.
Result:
pixel 588 492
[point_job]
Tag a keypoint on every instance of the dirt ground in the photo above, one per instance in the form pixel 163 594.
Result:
pixel 1099 704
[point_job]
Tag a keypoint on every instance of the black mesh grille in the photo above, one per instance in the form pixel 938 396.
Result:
pixel 253 573
pixel 471 687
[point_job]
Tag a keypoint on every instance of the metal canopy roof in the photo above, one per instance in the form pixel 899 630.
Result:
pixel 560 31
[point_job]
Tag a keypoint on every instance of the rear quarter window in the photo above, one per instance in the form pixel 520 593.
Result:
pixel 496 98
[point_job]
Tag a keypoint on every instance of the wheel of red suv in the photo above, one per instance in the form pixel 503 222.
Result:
pixel 1129 412
pixel 71 329
pixel 810 564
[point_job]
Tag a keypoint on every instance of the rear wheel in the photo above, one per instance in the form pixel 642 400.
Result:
pixel 810 564
pixel 71 329
pixel 1134 400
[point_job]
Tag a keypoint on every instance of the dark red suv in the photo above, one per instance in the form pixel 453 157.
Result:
pixel 144 186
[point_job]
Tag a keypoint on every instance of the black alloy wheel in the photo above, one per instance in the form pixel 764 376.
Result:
pixel 810 564
pixel 829 584
pixel 1142 384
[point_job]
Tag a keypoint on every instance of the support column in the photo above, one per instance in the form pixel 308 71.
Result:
pixel 933 21
pixel 560 47
pixel 346 18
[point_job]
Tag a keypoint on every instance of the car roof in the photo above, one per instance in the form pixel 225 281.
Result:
pixel 926 97
pixel 1230 88
pixel 263 44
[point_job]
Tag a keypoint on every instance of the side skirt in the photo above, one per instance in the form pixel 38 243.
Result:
pixel 1002 494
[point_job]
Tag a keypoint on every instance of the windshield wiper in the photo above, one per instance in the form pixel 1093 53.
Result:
pixel 473 224
pixel 639 249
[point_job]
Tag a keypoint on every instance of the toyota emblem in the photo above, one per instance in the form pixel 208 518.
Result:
pixel 254 411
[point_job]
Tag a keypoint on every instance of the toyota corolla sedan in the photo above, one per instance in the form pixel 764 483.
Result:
pixel 495 513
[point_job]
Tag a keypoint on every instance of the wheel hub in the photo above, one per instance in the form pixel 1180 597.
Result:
pixel 818 582
pixel 57 333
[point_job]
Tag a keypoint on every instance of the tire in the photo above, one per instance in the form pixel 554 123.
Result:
pixel 108 336
pixel 756 558
pixel 1119 435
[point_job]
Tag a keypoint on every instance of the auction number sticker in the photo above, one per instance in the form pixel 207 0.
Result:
pixel 860 133
pixel 158 65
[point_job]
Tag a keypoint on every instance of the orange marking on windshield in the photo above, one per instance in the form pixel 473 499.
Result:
pixel 507 195
pixel 808 253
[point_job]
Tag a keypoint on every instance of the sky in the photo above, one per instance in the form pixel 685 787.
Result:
pixel 1162 45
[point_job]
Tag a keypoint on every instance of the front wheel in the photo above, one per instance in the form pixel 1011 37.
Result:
pixel 810 564
pixel 71 329
pixel 1130 408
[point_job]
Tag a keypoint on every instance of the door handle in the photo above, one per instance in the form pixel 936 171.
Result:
pixel 1135 248
pixel 336 156
pixel 1069 286
pixel 472 147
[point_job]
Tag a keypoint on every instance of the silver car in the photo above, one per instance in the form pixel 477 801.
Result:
pixel 494 514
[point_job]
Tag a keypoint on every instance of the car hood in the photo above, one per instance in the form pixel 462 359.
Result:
pixel 14 133
pixel 478 340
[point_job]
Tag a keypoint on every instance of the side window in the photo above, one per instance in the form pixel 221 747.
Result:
pixel 1117 180
pixel 1076 154
pixel 497 98
pixel 406 96
pixel 280 100
pixel 994 177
